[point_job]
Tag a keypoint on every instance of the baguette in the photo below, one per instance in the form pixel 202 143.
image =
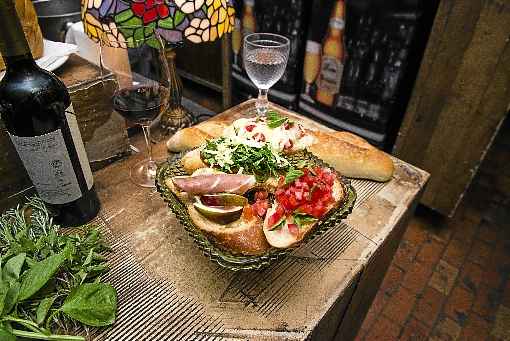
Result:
pixel 192 137
pixel 352 156
pixel 187 138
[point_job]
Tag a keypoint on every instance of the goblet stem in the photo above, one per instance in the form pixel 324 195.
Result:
pixel 151 165
pixel 262 102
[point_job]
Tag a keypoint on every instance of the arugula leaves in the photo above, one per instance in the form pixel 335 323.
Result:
pixel 48 279
pixel 274 120
pixel 292 175
pixel 263 162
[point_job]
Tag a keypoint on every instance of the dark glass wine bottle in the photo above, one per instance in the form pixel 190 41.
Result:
pixel 39 117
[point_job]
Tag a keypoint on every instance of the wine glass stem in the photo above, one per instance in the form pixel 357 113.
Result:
pixel 262 102
pixel 151 165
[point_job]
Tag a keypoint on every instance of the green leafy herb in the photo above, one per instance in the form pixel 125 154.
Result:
pixel 93 304
pixel 37 276
pixel 5 335
pixel 49 279
pixel 302 219
pixel 292 175
pixel 42 310
pixel 230 157
pixel 274 120
pixel 12 268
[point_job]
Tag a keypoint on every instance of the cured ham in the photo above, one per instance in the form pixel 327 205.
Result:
pixel 215 183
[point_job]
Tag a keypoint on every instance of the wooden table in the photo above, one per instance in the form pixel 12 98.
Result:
pixel 169 290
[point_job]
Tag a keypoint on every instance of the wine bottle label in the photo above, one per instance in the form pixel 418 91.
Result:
pixel 330 75
pixel 49 165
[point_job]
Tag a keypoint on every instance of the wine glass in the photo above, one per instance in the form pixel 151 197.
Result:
pixel 142 91
pixel 265 57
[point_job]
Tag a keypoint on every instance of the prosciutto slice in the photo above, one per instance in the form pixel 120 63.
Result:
pixel 215 183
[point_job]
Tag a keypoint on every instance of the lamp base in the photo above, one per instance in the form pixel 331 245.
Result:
pixel 170 122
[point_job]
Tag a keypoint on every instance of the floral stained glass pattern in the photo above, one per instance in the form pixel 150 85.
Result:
pixel 174 20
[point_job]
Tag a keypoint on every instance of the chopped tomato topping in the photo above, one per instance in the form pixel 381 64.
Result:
pixel 276 216
pixel 310 194
pixel 288 145
pixel 293 229
pixel 259 137
pixel 260 207
pixel 250 127
pixel 261 195
pixel 288 125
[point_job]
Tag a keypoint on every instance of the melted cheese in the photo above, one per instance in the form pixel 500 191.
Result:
pixel 259 133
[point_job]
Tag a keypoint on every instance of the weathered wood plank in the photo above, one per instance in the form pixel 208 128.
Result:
pixel 460 97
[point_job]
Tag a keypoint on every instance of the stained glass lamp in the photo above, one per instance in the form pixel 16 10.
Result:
pixel 176 21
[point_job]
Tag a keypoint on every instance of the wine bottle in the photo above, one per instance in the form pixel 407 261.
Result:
pixel 38 114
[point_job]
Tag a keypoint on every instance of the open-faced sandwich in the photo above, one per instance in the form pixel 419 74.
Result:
pixel 250 198
pixel 349 154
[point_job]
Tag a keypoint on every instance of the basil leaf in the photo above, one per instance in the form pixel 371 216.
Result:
pixel 93 304
pixel 274 120
pixel 4 288
pixel 303 219
pixel 11 298
pixel 42 310
pixel 12 269
pixel 35 278
pixel 278 225
pixel 6 335
pixel 292 175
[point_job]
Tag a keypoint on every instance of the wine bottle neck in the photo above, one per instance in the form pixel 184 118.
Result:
pixel 13 44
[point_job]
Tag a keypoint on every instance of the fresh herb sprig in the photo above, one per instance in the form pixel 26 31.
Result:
pixel 292 175
pixel 274 120
pixel 263 162
pixel 50 280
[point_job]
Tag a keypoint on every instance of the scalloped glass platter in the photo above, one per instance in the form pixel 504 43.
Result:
pixel 237 262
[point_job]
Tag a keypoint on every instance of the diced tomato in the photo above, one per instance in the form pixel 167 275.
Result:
pixel 288 125
pixel 260 207
pixel 259 137
pixel 261 195
pixel 288 145
pixel 276 216
pixel 293 229
pixel 250 127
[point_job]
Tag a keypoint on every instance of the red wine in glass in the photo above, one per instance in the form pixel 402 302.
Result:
pixel 140 104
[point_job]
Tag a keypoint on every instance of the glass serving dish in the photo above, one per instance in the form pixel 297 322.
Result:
pixel 236 262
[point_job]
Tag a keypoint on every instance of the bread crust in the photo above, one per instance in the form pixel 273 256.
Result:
pixel 240 237
pixel 352 156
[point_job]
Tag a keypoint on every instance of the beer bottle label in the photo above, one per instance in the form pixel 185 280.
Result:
pixel 330 75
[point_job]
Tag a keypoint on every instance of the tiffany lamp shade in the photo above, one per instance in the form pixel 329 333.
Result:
pixel 175 21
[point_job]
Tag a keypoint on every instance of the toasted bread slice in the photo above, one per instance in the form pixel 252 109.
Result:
pixel 243 236
pixel 283 238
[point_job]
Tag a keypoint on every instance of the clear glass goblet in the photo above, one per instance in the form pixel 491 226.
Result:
pixel 265 57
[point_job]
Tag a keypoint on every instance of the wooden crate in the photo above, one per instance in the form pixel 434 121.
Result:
pixel 460 98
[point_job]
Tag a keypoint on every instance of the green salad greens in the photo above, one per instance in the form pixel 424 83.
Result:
pixel 230 157
pixel 50 282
